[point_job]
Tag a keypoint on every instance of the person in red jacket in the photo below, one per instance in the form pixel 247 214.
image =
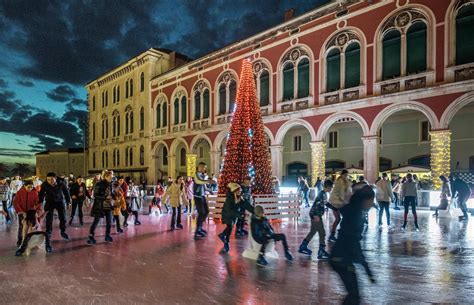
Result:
pixel 26 204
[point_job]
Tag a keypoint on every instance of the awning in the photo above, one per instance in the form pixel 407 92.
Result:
pixel 409 169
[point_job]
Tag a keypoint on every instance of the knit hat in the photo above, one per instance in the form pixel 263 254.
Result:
pixel 233 186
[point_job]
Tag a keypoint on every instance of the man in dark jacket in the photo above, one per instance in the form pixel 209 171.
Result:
pixel 234 205
pixel 347 250
pixel 199 191
pixel 246 195
pixel 462 192
pixel 262 233
pixel 78 192
pixel 102 206
pixel 55 193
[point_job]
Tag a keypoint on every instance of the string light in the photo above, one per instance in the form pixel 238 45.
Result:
pixel 318 160
pixel 247 149
pixel 440 156
pixel 191 165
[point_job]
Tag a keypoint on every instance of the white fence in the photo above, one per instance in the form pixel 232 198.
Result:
pixel 275 206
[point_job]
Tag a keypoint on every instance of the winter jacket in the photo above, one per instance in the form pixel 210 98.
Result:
pixel 232 210
pixel 119 201
pixel 79 191
pixel 176 195
pixel 460 188
pixel 4 192
pixel 25 201
pixel 261 229
pixel 341 193
pixel 199 187
pixel 15 186
pixel 410 188
pixel 247 193
pixel 102 198
pixel 124 187
pixel 384 191
pixel 54 194
pixel 319 205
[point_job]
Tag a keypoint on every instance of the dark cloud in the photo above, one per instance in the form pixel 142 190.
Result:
pixel 20 153
pixel 76 102
pixel 8 104
pixel 61 93
pixel 25 83
pixel 3 83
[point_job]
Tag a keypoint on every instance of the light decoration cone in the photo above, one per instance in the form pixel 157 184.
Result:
pixel 191 165
pixel 440 156
pixel 246 152
pixel 318 160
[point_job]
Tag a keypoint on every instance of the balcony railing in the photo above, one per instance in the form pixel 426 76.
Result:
pixel 342 95
pixel 295 104
pixel 178 128
pixel 160 131
pixel 200 125
pixel 460 73
pixel 405 83
pixel 224 119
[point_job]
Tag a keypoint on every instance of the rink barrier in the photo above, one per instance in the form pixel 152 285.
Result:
pixel 275 206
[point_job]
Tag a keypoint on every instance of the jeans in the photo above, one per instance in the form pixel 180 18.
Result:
pixel 240 222
pixel 5 210
pixel 275 237
pixel 462 204
pixel 20 229
pixel 76 205
pixel 397 199
pixel 202 209
pixel 306 198
pixel 348 276
pixel 176 217
pixel 407 202
pixel 317 226
pixel 227 231
pixel 108 223
pixel 337 220
pixel 49 209
pixel 384 205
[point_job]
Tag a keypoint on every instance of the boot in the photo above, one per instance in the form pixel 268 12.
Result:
pixel 288 255
pixel 304 248
pixel 91 240
pixel 332 237
pixel 404 226
pixel 417 228
pixel 70 221
pixel 261 261
pixel 47 244
pixel 137 223
pixel 64 236
pixel 108 239
pixel 322 254
pixel 179 226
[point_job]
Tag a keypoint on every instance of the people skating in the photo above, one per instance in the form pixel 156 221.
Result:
pixel 102 207
pixel 119 205
pixel 189 185
pixel 235 204
pixel 316 214
pixel 247 195
pixel 55 194
pixel 303 190
pixel 135 205
pixel 338 198
pixel 318 185
pixel 199 192
pixel 4 196
pixel 444 196
pixel 157 196
pixel 396 186
pixel 461 192
pixel 347 250
pixel 263 233
pixel 124 186
pixel 26 205
pixel 384 195
pixel 409 195
pixel 15 186
pixel 78 192
pixel 360 183
pixel 177 197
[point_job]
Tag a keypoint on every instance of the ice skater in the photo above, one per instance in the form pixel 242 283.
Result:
pixel 246 195
pixel 410 195
pixel 199 192
pixel 235 204
pixel 102 207
pixel 384 195
pixel 347 249
pixel 445 194
pixel 78 192
pixel 461 192
pixel 119 206
pixel 262 233
pixel 316 214
pixel 339 197
pixel 177 198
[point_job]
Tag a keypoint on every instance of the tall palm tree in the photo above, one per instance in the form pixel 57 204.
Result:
pixel 22 169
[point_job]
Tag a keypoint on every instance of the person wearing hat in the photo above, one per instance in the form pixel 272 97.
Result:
pixel 54 192
pixel 234 206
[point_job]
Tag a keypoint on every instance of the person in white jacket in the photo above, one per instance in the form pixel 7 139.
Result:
pixel 384 196
pixel 177 197
pixel 340 196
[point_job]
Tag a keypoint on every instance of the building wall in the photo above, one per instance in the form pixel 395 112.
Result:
pixel 60 163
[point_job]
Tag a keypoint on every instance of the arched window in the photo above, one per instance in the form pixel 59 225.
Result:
pixel 264 89
pixel 184 109
pixel 131 87
pixel 114 94
pixel 105 127
pixel 464 30
pixel 176 111
pixel 222 99
pixel 197 105
pixel 182 158
pixel 391 52
pixel 118 93
pixel 232 95
pixel 165 156
pixel 333 70
pixel 128 120
pixel 158 116
pixel 165 114
pixel 93 160
pixel 106 159
pixel 142 119
pixel 116 157
pixel 130 157
pixel 416 48
pixel 127 157
pixel 106 98
pixel 206 105
pixel 303 78
pixel 116 124
pixel 288 81
pixel 131 122
pixel 126 89
pixel 103 159
pixel 142 82
pixel 142 155
pixel 352 72
pixel 93 131
pixel 93 103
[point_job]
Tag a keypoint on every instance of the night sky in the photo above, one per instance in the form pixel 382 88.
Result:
pixel 50 49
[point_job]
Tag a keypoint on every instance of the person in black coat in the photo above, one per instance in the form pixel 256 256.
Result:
pixel 247 195
pixel 347 250
pixel 234 206
pixel 460 191
pixel 55 194
pixel 78 192
pixel 263 233
pixel 102 206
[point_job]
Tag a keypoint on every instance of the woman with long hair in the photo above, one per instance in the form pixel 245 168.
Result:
pixel 339 197
pixel 175 193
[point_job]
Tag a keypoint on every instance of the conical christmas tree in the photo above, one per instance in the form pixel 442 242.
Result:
pixel 246 149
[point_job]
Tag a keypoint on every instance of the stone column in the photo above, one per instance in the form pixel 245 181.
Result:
pixel 172 166
pixel 276 152
pixel 318 160
pixel 371 158
pixel 215 162
pixel 440 155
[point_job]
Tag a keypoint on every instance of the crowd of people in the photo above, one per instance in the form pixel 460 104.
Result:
pixel 112 197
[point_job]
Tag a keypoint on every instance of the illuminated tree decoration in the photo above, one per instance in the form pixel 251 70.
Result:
pixel 246 152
